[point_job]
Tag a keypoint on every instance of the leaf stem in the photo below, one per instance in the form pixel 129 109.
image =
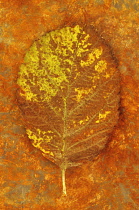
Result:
pixel 64 181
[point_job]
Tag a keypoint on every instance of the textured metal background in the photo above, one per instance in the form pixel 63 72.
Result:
pixel 28 180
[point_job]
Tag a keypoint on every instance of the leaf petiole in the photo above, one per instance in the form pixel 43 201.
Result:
pixel 64 181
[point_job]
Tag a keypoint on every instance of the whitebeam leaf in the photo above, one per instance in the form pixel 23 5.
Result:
pixel 69 95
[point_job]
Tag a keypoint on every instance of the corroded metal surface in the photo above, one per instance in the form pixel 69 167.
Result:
pixel 28 180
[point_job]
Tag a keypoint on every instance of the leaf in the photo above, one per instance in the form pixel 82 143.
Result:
pixel 69 95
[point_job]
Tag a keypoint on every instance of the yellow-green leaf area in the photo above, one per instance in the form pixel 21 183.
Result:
pixel 81 93
pixel 32 56
pixel 43 65
pixel 101 66
pixel 38 137
pixel 50 60
pixel 102 116
pixel 82 122
pixel 95 54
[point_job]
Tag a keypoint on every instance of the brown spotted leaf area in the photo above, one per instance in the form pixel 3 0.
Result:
pixel 69 95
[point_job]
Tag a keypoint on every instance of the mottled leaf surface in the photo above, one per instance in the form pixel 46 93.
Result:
pixel 69 94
